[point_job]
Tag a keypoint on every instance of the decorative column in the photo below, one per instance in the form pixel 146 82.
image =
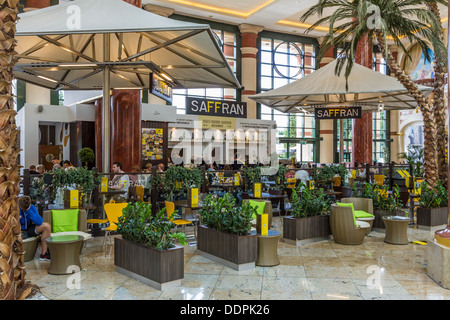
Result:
pixel 362 128
pixel 249 49
pixel 326 126
pixel 394 120
pixel 125 125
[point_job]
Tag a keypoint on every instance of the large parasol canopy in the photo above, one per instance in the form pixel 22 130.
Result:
pixel 110 44
pixel 365 88
pixel 323 87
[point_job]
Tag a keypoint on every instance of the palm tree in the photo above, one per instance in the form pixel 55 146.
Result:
pixel 440 111
pixel 12 268
pixel 353 20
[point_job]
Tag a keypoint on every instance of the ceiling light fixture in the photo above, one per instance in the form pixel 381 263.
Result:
pixel 222 10
pixel 48 79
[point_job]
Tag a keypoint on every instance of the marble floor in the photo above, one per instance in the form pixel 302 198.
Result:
pixel 321 270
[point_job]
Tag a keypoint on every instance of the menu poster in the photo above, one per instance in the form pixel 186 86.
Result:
pixel 152 144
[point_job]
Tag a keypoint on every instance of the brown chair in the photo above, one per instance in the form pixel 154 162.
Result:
pixel 363 204
pixel 268 210
pixel 343 226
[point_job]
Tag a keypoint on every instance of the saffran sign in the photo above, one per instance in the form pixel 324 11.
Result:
pixel 219 108
pixel 338 113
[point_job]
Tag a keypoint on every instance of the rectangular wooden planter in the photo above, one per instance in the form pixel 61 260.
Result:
pixel 431 217
pixel 306 229
pixel 236 252
pixel 159 269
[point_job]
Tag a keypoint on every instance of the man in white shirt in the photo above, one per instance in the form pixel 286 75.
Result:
pixel 120 182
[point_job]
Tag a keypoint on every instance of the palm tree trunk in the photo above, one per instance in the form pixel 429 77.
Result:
pixel 12 268
pixel 430 148
pixel 439 109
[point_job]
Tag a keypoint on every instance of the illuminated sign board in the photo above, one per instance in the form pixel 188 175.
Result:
pixel 338 113
pixel 219 108
pixel 160 88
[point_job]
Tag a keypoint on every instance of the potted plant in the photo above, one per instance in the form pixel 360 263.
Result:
pixel 414 157
pixel 310 216
pixel 225 234
pixel 250 176
pixel 385 204
pixel 86 155
pixel 81 178
pixel 146 250
pixel 281 178
pixel 178 179
pixel 433 206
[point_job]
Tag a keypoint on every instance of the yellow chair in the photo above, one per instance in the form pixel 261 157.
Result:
pixel 170 209
pixel 379 179
pixel 113 212
pixel 96 221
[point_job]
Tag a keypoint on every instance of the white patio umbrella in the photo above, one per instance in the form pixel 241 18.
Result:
pixel 366 88
pixel 110 44
pixel 323 88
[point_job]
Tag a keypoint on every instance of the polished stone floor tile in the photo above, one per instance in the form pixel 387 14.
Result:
pixel 321 270
pixel 333 289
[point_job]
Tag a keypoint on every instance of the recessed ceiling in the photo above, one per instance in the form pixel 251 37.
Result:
pixel 274 15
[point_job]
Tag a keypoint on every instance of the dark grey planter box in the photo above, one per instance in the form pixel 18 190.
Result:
pixel 298 230
pixel 159 269
pixel 236 252
pixel 431 217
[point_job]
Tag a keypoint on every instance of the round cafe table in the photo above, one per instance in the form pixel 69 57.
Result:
pixel 64 253
pixel 396 229
pixel 268 249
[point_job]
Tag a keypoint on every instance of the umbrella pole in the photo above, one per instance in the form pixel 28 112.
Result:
pixel 106 144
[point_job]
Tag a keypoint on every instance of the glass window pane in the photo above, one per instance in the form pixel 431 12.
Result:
pixel 279 82
pixel 266 69
pixel 265 109
pixel 281 120
pixel 214 93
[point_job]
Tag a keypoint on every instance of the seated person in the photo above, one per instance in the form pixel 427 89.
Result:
pixel 119 182
pixel 32 225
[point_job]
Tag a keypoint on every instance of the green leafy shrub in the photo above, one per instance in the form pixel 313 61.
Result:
pixel 414 157
pixel 436 197
pixel 251 176
pixel 75 177
pixel 312 202
pixel 380 196
pixel 180 178
pixel 326 173
pixel 137 224
pixel 86 155
pixel 222 215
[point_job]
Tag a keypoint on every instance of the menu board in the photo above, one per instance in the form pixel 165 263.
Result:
pixel 152 143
